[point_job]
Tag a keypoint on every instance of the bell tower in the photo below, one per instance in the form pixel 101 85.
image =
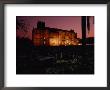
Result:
pixel 40 25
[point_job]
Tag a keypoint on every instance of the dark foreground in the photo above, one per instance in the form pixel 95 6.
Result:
pixel 56 60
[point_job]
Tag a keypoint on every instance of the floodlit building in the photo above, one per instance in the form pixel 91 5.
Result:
pixel 46 36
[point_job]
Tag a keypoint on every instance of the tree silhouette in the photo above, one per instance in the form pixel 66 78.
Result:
pixel 21 26
pixel 83 30
pixel 85 19
pixel 88 23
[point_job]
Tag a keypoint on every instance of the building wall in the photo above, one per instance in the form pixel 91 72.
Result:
pixel 45 36
pixel 59 37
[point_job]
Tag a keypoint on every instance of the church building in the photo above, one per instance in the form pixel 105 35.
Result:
pixel 46 36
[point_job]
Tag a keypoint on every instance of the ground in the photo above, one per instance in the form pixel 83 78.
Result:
pixel 55 60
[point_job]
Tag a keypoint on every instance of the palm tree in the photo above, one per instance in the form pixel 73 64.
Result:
pixel 88 23
pixel 83 19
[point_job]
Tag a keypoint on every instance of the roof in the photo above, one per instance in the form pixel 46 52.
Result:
pixel 56 29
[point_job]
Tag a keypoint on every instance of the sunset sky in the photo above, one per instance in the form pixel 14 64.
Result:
pixel 60 22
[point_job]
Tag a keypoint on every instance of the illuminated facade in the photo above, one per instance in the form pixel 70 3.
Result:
pixel 46 36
